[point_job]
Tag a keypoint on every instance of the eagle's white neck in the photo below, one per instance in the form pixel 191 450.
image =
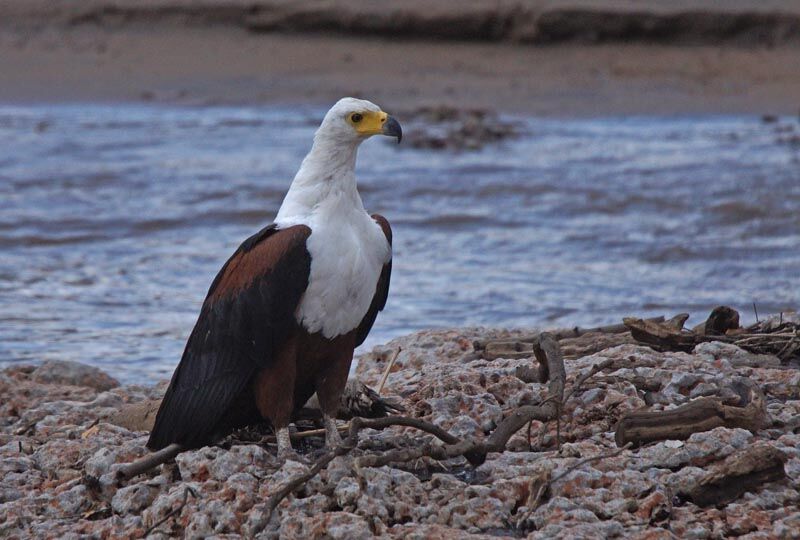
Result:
pixel 347 247
pixel 327 172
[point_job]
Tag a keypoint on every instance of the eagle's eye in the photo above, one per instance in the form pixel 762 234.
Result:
pixel 356 118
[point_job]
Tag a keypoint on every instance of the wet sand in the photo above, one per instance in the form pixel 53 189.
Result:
pixel 210 54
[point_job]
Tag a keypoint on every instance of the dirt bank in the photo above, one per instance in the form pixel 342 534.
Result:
pixel 613 58
pixel 533 21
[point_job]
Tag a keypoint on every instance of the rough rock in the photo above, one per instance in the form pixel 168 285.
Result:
pixel 132 499
pixel 716 351
pixel 448 128
pixel 60 453
pixel 74 374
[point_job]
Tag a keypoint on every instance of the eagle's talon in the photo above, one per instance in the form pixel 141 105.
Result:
pixel 332 436
pixel 285 450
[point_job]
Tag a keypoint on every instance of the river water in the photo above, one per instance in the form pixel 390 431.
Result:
pixel 114 220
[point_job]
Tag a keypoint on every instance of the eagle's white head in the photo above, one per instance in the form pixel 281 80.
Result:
pixel 350 121
pixel 327 173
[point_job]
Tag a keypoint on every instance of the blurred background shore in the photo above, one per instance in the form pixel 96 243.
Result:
pixel 562 57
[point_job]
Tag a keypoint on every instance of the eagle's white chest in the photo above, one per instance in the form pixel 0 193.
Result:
pixel 348 250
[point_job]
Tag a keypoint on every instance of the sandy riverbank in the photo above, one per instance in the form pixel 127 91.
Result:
pixel 615 61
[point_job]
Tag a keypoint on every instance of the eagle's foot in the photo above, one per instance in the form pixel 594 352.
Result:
pixel 285 450
pixel 332 437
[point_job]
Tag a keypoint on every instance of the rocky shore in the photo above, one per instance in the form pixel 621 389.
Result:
pixel 60 453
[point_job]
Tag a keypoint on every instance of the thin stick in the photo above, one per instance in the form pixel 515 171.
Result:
pixel 388 369
pixel 547 485
pixel 390 421
pixel 186 493
pixel 149 461
pixel 285 490
pixel 755 309
pixel 582 462
pixel 315 432
pixel 580 380
pixel 765 335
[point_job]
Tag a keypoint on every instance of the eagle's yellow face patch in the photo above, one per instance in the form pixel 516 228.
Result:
pixel 368 122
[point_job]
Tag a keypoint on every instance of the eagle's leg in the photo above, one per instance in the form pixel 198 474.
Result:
pixel 274 394
pixel 332 437
pixel 285 450
pixel 330 384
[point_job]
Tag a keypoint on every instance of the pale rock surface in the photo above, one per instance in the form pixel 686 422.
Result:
pixel 59 452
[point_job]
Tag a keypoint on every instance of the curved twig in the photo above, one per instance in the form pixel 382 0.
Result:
pixel 126 472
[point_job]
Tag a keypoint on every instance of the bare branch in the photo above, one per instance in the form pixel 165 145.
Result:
pixel 580 380
pixel 561 333
pixel 150 461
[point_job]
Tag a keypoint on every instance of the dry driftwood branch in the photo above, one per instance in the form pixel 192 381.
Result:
pixel 704 414
pixel 662 336
pixel 507 349
pixel 743 471
pixel 148 462
pixel 677 321
pixel 558 334
pixel 781 340
pixel 551 367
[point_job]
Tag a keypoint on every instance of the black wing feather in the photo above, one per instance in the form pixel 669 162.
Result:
pixel 236 334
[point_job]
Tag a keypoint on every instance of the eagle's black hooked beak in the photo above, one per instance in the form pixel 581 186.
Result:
pixel 391 127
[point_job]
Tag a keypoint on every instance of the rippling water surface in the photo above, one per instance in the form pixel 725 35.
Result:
pixel 114 220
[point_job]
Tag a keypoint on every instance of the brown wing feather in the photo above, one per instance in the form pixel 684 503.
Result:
pixel 247 315
pixel 381 290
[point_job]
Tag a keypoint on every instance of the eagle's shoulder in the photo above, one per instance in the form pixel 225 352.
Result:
pixel 257 256
pixel 384 225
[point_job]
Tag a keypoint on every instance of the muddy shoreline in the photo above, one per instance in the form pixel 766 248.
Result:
pixel 610 59
pixel 534 21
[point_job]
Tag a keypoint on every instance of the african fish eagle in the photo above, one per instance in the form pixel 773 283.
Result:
pixel 285 312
